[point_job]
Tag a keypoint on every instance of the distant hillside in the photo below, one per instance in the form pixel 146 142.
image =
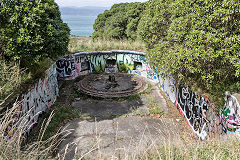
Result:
pixel 84 11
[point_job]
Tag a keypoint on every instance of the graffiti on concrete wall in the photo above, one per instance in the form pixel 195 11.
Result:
pixel 194 108
pixel 151 74
pixel 71 66
pixel 81 65
pixel 65 66
pixel 98 62
pixel 168 85
pixel 230 115
pixel 38 99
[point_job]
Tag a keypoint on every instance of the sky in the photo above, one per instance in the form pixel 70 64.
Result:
pixel 100 3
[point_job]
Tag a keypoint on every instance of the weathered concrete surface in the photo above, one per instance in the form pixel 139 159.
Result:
pixel 106 108
pixel 123 129
pixel 237 97
pixel 121 137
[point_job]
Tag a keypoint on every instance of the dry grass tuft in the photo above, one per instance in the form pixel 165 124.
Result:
pixel 12 139
pixel 79 44
pixel 11 76
pixel 218 149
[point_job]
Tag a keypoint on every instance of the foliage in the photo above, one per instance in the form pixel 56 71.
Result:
pixel 154 22
pixel 120 22
pixel 195 41
pixel 32 30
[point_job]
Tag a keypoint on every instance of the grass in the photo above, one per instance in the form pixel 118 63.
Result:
pixel 15 80
pixel 148 90
pixel 39 68
pixel 218 149
pixel 80 44
pixel 228 148
pixel 61 115
pixel 153 107
pixel 12 139
pixel 11 77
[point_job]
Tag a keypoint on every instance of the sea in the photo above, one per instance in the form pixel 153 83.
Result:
pixel 80 25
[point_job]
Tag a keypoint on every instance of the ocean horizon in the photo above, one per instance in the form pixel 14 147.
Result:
pixel 81 19
pixel 80 25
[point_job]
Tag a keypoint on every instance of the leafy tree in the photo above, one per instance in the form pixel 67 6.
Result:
pixel 155 22
pixel 195 41
pixel 120 22
pixel 32 30
pixel 100 24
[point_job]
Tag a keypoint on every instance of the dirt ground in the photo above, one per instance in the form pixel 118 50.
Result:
pixel 123 128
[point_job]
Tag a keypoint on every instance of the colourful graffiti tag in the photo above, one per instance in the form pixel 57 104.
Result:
pixel 229 115
pixel 37 100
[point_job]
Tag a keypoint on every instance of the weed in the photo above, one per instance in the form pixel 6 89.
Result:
pixel 148 90
pixel 213 149
pixel 153 107
pixel 85 115
pixel 133 108
pixel 155 110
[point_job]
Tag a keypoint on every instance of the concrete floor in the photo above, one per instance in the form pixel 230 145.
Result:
pixel 113 129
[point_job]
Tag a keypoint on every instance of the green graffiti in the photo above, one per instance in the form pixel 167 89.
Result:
pixel 98 62
pixel 103 67
pixel 129 67
pixel 97 69
pixel 122 67
pixel 125 62
pixel 224 113
pixel 143 59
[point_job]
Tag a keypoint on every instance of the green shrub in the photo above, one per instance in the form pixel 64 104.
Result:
pixel 194 41
pixel 32 30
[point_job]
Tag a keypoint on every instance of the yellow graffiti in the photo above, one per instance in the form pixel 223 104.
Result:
pixel 97 69
pixel 103 67
pixel 129 67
